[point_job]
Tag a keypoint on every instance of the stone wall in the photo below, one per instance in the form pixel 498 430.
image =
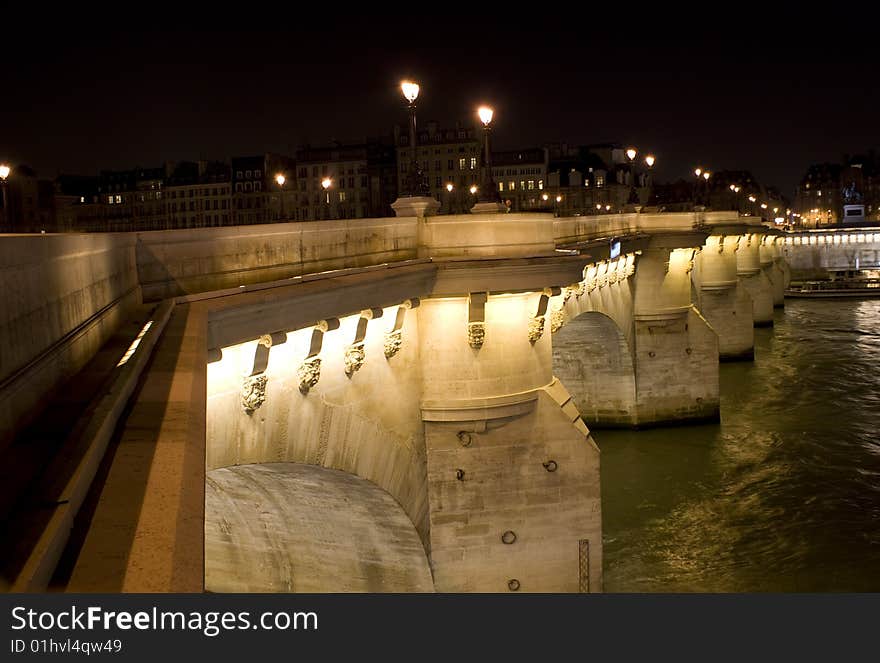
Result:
pixel 176 262
pixel 63 296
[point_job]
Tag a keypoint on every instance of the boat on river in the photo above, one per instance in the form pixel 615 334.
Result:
pixel 865 287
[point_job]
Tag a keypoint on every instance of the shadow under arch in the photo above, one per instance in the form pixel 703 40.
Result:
pixel 592 358
pixel 294 527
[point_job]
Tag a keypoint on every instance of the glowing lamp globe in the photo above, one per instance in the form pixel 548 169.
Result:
pixel 410 90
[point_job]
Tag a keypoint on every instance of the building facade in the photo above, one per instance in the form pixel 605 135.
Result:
pixel 361 178
pixel 447 156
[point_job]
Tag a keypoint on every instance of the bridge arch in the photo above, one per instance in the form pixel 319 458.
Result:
pixel 293 527
pixel 592 358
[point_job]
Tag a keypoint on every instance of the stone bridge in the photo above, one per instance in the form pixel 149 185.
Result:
pixel 820 254
pixel 394 404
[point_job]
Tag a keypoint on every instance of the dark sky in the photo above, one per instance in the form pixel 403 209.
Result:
pixel 734 93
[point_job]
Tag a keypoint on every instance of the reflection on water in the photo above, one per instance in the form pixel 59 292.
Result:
pixel 784 494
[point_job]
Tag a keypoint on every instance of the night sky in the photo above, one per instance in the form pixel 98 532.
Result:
pixel 739 96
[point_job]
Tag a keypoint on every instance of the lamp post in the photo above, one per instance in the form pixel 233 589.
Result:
pixel 650 160
pixel 326 182
pixel 416 185
pixel 4 173
pixel 449 187
pixel 736 189
pixel 488 190
pixel 706 176
pixel 697 172
pixel 633 195
pixel 281 179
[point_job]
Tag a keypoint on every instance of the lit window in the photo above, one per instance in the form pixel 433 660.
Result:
pixel 473 163
pixel 600 180
pixel 110 199
pixel 522 185
pixel 531 184
pixel 501 186
pixel 541 184
pixel 511 185
pixel 118 199
pixel 462 164
pixel 342 196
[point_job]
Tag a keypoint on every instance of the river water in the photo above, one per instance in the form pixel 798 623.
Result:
pixel 784 494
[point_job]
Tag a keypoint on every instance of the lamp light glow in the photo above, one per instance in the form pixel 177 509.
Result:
pixel 485 114
pixel 449 187
pixel 4 171
pixel 698 171
pixel 410 90
pixel 706 174
pixel 631 153
pixel 326 182
pixel 280 179
pixel 649 160
pixel 473 188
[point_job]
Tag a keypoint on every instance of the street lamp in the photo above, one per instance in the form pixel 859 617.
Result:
pixel 697 172
pixel 488 192
pixel 4 173
pixel 735 189
pixel 326 182
pixel 449 187
pixel 281 179
pixel 633 195
pixel 416 185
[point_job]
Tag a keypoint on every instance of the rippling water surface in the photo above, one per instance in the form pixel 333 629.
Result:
pixel 784 494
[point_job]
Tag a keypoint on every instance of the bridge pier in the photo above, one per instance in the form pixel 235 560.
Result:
pixel 675 349
pixel 513 475
pixel 754 278
pixel 771 265
pixel 723 300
